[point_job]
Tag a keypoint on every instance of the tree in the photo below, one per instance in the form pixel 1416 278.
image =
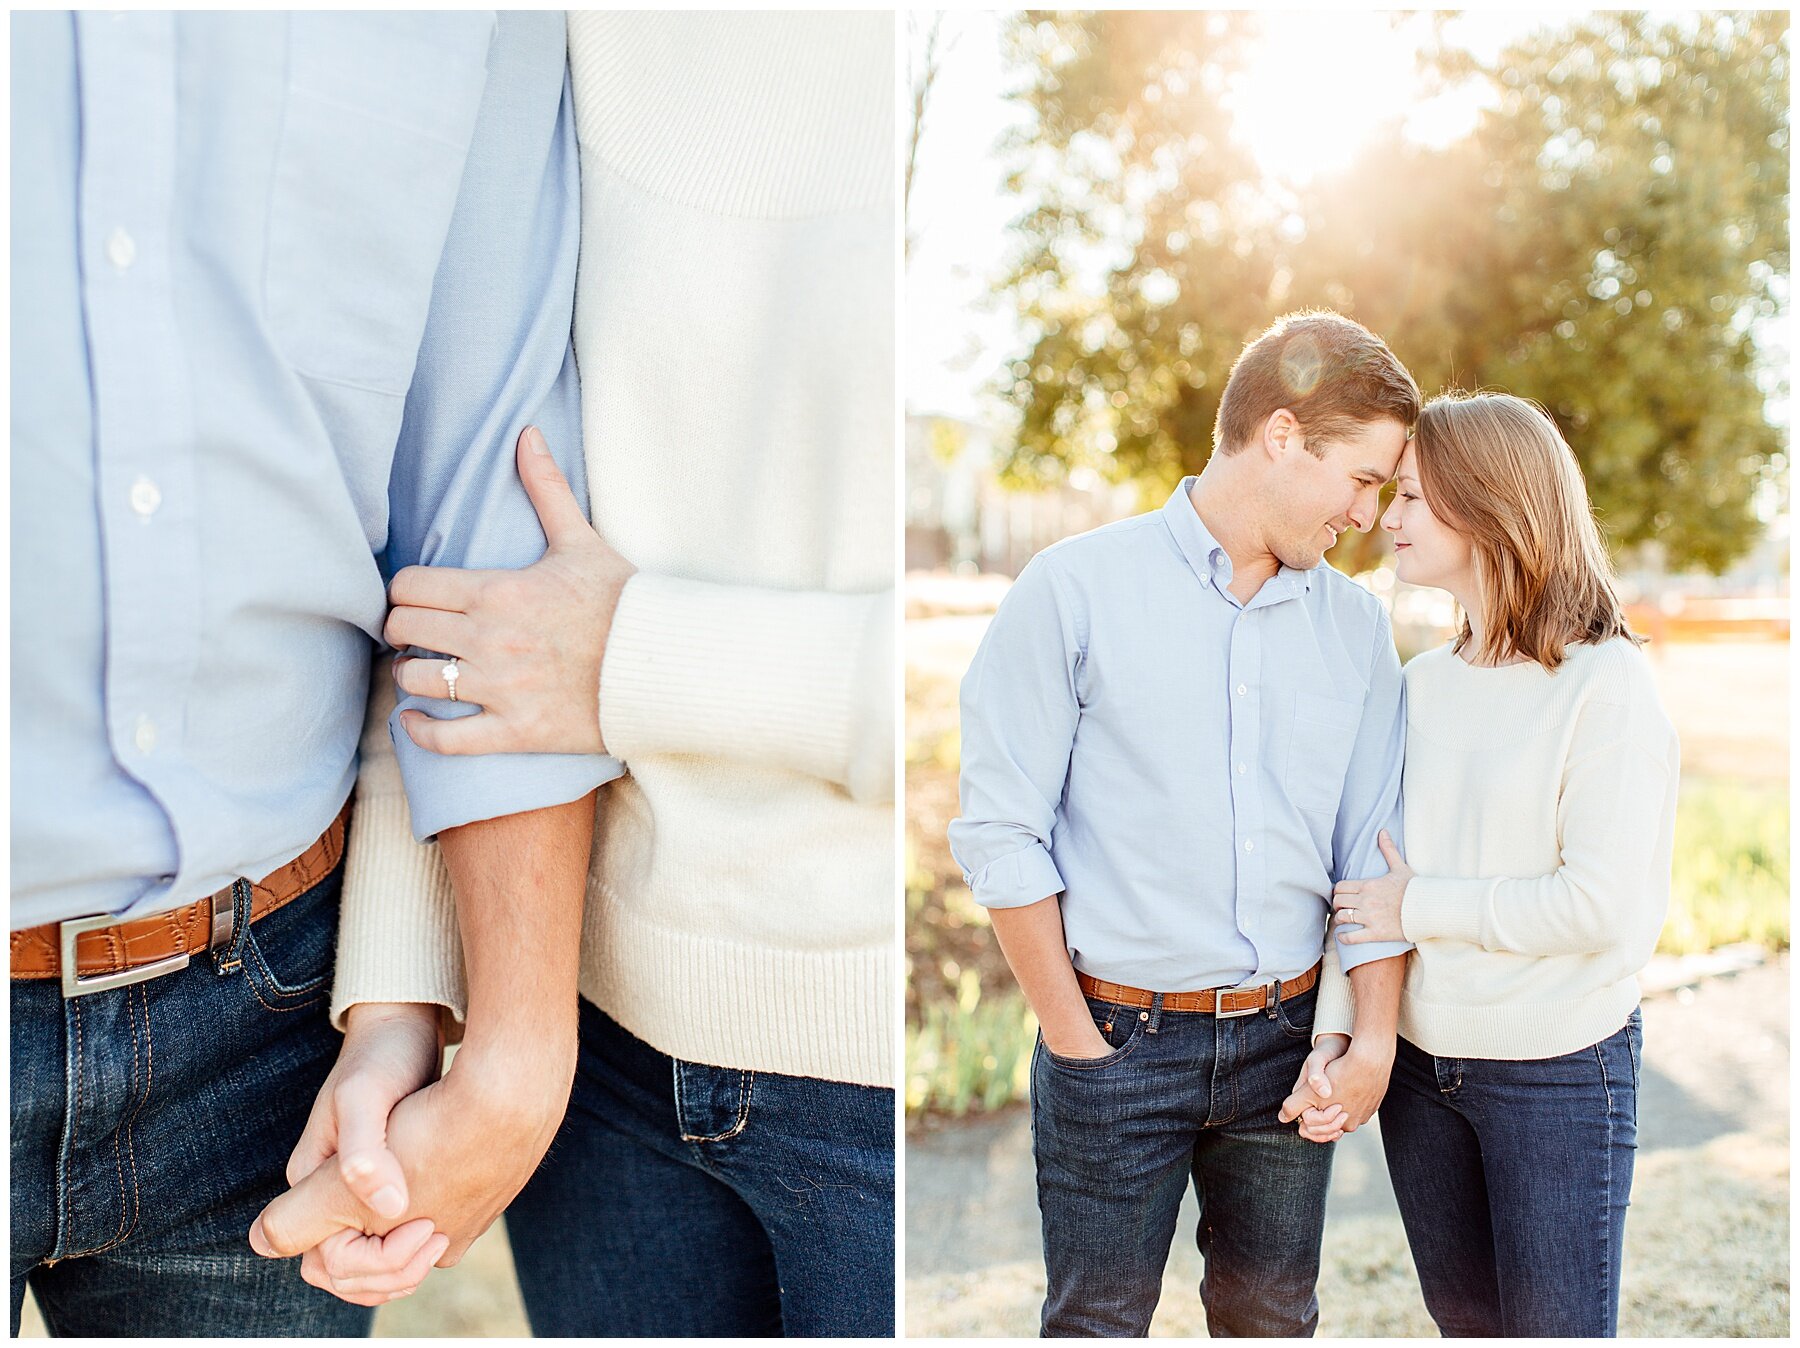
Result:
pixel 1606 242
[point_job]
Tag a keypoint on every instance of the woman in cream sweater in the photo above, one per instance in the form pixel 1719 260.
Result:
pixel 1540 784
pixel 726 1167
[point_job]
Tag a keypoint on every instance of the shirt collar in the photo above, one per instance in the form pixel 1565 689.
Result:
pixel 1207 557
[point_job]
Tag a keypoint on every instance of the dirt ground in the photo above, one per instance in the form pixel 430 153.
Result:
pixel 1706 1242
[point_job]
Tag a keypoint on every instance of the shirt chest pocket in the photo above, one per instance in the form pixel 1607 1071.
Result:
pixel 1320 741
pixel 379 113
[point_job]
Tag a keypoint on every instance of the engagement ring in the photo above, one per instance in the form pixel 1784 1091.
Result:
pixel 451 675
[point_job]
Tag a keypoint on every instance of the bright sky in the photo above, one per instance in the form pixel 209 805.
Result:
pixel 1359 66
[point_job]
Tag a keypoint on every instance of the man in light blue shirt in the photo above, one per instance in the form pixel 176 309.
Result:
pixel 286 290
pixel 1179 732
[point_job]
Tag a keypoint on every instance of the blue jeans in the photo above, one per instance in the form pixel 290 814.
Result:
pixel 693 1201
pixel 1182 1097
pixel 151 1123
pixel 1513 1179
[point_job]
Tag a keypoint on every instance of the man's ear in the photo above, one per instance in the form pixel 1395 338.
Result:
pixel 1281 435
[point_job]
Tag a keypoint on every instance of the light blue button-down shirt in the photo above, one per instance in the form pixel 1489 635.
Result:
pixel 286 287
pixel 1192 774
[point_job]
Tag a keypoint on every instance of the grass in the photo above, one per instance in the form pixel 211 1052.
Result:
pixel 1729 877
pixel 974 1053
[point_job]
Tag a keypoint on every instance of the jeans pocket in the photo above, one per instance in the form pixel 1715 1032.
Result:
pixel 1295 1014
pixel 712 1104
pixel 1121 1034
pixel 288 956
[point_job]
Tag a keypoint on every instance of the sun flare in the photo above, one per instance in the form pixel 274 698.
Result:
pixel 1318 85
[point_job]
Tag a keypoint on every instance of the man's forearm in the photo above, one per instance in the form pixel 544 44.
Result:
pixel 520 884
pixel 1375 994
pixel 1032 940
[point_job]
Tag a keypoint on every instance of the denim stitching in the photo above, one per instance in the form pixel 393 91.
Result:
pixel 252 959
pixel 1606 1170
pixel 71 1128
pixel 253 954
pixel 270 1006
pixel 231 959
pixel 746 1085
pixel 1118 1055
pixel 118 1156
pixel 137 1202
pixel 135 1208
pixel 1224 1077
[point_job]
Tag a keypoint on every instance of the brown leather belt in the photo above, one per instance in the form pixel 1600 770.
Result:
pixel 1225 1002
pixel 109 954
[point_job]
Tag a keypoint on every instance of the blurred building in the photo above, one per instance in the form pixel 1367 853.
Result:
pixel 959 518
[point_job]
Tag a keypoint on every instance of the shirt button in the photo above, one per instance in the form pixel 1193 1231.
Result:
pixel 1242 690
pixel 145 739
pixel 121 250
pixel 1242 769
pixel 1249 844
pixel 145 497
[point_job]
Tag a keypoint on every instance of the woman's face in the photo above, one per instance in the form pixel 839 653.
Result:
pixel 1427 551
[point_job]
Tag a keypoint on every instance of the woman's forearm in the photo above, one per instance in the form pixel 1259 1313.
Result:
pixel 795 679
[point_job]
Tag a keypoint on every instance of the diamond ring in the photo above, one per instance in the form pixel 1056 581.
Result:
pixel 1348 914
pixel 451 675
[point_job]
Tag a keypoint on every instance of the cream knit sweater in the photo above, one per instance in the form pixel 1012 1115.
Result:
pixel 1540 819
pixel 734 330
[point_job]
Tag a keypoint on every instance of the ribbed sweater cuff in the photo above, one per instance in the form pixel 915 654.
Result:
pixel 794 679
pixel 1439 907
pixel 397 934
pixel 1332 1014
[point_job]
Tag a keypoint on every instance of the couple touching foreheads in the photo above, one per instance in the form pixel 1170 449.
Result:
pixel 1256 880
pixel 305 312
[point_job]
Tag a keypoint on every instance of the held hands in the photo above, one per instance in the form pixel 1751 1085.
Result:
pixel 1311 1101
pixel 528 644
pixel 1340 1086
pixel 390 1051
pixel 1373 905
pixel 461 1148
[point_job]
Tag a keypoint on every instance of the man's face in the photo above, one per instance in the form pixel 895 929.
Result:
pixel 1317 498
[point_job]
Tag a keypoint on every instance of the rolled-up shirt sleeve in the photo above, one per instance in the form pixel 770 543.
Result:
pixel 1371 798
pixel 496 357
pixel 1020 706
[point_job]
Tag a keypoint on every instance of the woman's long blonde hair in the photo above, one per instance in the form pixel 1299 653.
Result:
pixel 1495 468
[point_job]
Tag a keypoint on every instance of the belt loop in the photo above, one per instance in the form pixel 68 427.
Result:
pixel 1156 1001
pixel 230 957
pixel 1274 999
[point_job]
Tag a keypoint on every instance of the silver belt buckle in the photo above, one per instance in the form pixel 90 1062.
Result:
pixel 73 985
pixel 1219 1011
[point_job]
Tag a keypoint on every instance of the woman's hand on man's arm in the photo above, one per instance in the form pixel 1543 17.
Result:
pixel 528 643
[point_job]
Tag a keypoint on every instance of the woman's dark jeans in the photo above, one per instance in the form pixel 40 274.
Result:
pixel 693 1201
pixel 151 1123
pixel 1513 1179
pixel 1182 1097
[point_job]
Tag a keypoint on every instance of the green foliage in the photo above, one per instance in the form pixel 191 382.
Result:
pixel 1604 242
pixel 972 1053
pixel 948 439
pixel 1729 879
